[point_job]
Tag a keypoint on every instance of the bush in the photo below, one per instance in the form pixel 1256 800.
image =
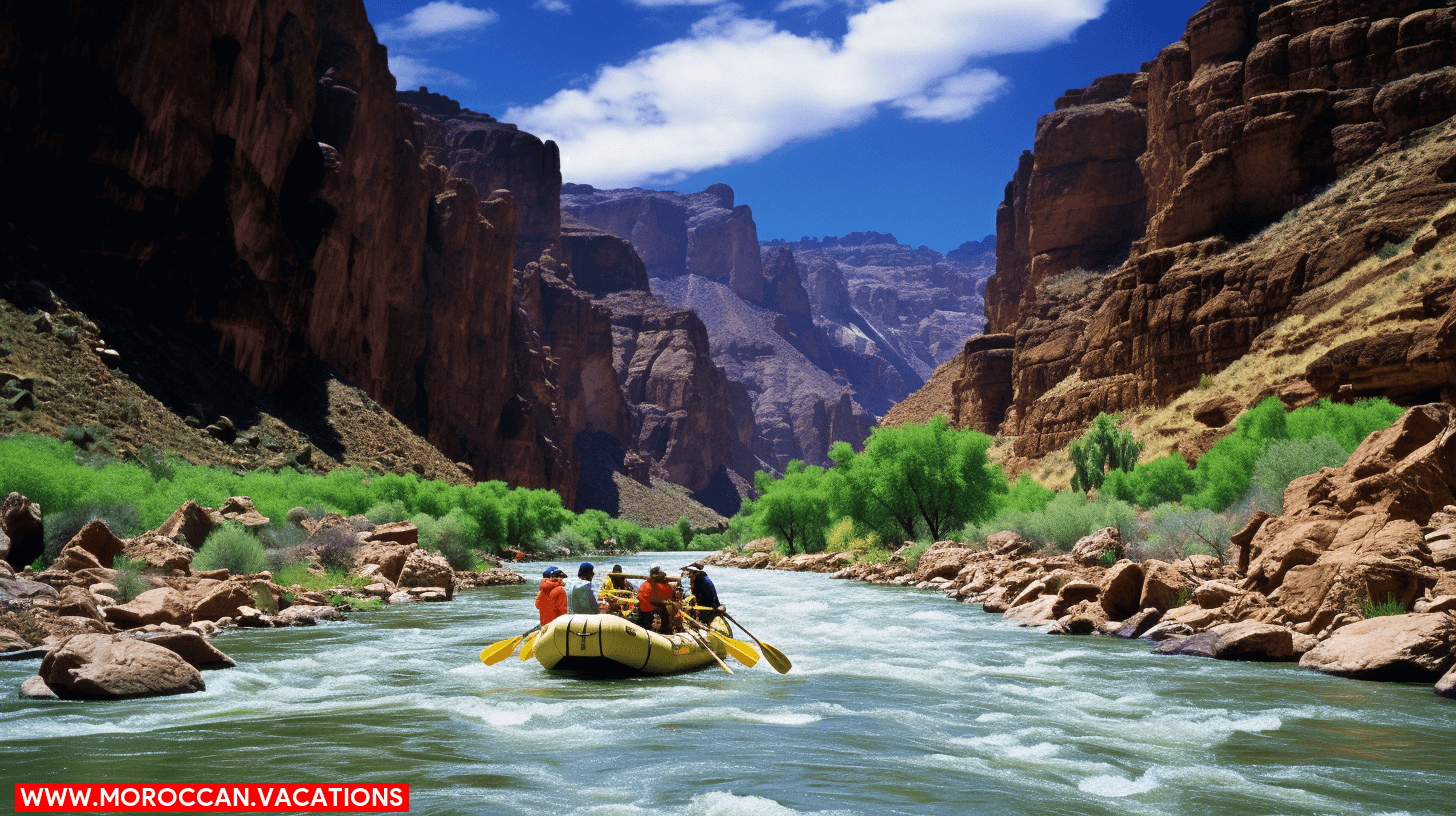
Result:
pixel 1165 479
pixel 841 538
pixel 1391 606
pixel 1065 519
pixel 1283 461
pixel 1174 531
pixel 231 547
pixel 913 553
pixel 387 512
pixel 1101 449
pixel 1027 495
pixel 335 547
pixel 569 539
pixel 129 581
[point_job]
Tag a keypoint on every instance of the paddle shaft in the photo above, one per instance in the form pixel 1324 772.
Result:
pixel 774 656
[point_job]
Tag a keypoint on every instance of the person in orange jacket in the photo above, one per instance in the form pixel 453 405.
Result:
pixel 654 598
pixel 551 600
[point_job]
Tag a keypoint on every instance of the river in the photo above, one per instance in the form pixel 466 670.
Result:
pixel 900 701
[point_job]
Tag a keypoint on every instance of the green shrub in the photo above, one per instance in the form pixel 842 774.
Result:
pixel 1283 461
pixel 1065 519
pixel 1174 531
pixel 387 512
pixel 129 579
pixel 231 547
pixel 1101 449
pixel 841 538
pixel 1027 495
pixel 1391 606
pixel 298 574
pixel 912 555
pixel 1165 479
pixel 567 538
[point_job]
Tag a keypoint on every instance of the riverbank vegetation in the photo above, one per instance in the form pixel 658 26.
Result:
pixel 918 483
pixel 460 522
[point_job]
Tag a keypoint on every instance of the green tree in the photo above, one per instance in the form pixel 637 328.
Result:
pixel 1101 449
pixel 913 474
pixel 794 509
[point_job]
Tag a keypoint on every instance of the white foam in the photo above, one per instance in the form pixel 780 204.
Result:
pixel 1117 786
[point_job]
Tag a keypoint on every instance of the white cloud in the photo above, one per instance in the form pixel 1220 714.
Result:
pixel 558 6
pixel 657 3
pixel 954 98
pixel 412 72
pixel 739 88
pixel 436 19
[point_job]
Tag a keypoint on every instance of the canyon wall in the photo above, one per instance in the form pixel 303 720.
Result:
pixel 1134 249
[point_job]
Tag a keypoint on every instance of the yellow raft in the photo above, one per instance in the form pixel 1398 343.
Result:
pixel 608 644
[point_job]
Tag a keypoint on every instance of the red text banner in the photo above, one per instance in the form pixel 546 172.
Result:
pixel 182 797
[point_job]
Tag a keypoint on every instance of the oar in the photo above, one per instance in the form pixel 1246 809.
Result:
pixel 528 647
pixel 739 650
pixel 707 647
pixel 500 650
pixel 776 658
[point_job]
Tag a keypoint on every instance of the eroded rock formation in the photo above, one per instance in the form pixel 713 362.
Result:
pixel 1125 269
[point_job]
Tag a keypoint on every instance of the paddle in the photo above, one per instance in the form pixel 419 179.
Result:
pixel 707 647
pixel 776 658
pixel 739 650
pixel 528 647
pixel 501 649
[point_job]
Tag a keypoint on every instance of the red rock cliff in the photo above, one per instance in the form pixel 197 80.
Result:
pixel 1121 269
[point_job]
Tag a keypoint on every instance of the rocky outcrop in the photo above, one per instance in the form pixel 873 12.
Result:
pixel 113 667
pixel 1166 220
pixel 1400 648
pixel 22 530
pixel 335 222
pixel 785 394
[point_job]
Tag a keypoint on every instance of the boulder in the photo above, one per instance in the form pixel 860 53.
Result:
pixel 116 667
pixel 1008 544
pixel 1075 592
pixel 190 523
pixel 424 569
pixel 35 688
pixel 1037 612
pixel 1446 686
pixel 397 532
pixel 1164 586
pixel 1246 640
pixel 308 615
pixel 1399 648
pixel 77 602
pixel 387 557
pixel 159 552
pixel 1139 623
pixel 944 559
pixel 190 645
pixel 12 641
pixel 239 509
pixel 1092 550
pixel 20 518
pixel 219 599
pixel 161 605
pixel 16 588
pixel 1214 594
pixel 97 540
pixel 1122 588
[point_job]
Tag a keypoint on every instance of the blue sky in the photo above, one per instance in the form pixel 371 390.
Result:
pixel 826 116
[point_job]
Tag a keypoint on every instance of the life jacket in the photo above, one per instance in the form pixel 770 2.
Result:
pixel 651 594
pixel 551 600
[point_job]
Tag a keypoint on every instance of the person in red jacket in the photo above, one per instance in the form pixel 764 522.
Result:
pixel 654 600
pixel 551 600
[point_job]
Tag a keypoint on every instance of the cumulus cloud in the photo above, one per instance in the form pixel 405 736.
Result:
pixel 436 19
pixel 737 88
pixel 558 6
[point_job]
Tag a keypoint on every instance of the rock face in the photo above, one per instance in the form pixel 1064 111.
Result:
pixel 335 222
pixel 1135 251
pixel 1402 648
pixel 21 527
pixel 787 394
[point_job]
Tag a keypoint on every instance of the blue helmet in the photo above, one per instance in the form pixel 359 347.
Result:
pixel 584 569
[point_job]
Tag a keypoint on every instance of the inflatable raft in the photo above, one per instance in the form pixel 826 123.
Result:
pixel 608 644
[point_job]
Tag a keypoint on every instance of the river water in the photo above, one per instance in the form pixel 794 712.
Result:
pixel 900 701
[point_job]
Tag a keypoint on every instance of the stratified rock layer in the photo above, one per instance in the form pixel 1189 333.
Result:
pixel 1124 269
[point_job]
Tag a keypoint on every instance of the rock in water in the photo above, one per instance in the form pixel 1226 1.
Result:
pixel 116 667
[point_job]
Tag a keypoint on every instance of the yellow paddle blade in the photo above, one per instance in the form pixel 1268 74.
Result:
pixel 528 648
pixel 496 652
pixel 776 658
pixel 738 650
